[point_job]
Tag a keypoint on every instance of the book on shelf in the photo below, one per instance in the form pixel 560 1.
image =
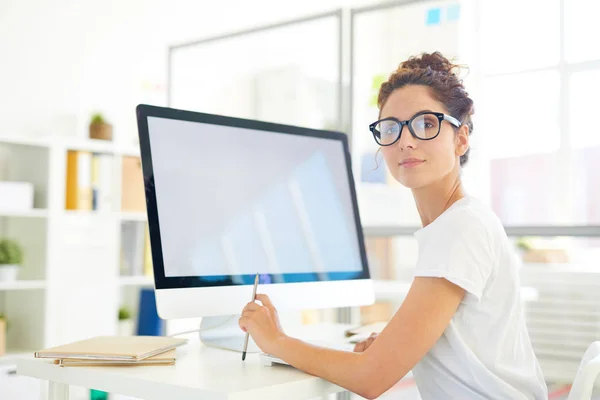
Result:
pixel 133 244
pixel 149 322
pixel 89 181
pixel 113 348
pixel 148 268
pixel 102 182
pixel 78 194
pixel 133 195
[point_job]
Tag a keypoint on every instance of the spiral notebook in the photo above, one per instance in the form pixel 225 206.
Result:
pixel 113 348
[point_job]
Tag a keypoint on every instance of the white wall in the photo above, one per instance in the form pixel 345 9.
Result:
pixel 62 60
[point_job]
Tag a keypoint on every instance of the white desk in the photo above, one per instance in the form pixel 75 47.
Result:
pixel 201 373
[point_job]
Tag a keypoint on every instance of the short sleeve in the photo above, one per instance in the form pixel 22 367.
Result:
pixel 459 249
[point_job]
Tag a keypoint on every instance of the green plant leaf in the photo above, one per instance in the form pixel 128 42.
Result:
pixel 124 313
pixel 3 317
pixel 525 243
pixel 97 118
pixel 10 252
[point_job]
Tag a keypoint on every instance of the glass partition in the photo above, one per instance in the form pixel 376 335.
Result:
pixel 286 73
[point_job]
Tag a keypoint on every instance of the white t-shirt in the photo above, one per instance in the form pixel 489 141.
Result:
pixel 485 352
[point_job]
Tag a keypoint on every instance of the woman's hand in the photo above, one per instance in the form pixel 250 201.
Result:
pixel 262 322
pixel 364 345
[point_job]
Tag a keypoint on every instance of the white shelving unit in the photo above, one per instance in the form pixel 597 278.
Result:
pixel 39 213
pixel 133 216
pixel 72 258
pixel 23 285
pixel 143 281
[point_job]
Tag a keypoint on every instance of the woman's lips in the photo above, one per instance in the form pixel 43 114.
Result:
pixel 411 162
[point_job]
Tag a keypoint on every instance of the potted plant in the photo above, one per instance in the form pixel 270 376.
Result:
pixel 99 128
pixel 125 322
pixel 2 334
pixel 533 250
pixel 11 257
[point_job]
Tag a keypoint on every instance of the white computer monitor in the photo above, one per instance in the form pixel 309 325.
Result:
pixel 228 198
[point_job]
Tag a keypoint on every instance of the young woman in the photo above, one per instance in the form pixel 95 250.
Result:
pixel 461 329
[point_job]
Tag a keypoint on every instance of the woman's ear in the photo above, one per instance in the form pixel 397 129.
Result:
pixel 462 140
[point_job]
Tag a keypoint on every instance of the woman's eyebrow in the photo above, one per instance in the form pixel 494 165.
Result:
pixel 418 112
pixel 426 110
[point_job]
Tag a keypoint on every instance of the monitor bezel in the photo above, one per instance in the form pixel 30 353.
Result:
pixel 143 111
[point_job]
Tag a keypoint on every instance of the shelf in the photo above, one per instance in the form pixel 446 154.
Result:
pixel 129 151
pixel 35 213
pixel 22 285
pixel 133 216
pixel 68 143
pixel 136 281
pixel 72 143
pixel 91 145
pixel 123 216
pixel 25 141
pixel 90 213
pixel 12 355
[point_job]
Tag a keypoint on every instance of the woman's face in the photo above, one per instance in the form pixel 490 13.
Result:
pixel 417 163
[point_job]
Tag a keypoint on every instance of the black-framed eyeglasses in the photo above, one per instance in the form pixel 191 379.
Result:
pixel 425 125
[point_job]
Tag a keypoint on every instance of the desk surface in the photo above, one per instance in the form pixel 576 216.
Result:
pixel 203 373
pixel 200 373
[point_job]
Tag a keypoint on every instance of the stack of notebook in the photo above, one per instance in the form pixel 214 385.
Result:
pixel 115 350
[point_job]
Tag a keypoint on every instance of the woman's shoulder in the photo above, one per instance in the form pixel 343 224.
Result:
pixel 476 209
pixel 468 214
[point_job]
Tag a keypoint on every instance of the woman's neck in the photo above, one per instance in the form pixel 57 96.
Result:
pixel 434 199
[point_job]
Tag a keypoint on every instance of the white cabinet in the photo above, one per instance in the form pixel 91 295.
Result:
pixel 69 286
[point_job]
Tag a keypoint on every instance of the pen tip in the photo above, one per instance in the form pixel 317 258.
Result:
pixel 243 356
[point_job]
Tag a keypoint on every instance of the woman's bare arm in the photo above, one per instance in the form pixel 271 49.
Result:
pixel 417 325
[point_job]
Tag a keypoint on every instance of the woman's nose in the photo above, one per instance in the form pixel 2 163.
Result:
pixel 406 139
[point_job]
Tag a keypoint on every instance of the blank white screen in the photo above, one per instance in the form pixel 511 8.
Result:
pixel 236 201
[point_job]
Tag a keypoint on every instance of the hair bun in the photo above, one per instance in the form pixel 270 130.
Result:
pixel 434 61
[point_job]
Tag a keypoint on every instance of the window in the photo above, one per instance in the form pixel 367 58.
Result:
pixel 584 89
pixel 581 30
pixel 522 111
pixel 286 74
pixel 519 35
pixel 541 81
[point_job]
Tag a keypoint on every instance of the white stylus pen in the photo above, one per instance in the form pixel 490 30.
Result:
pixel 247 334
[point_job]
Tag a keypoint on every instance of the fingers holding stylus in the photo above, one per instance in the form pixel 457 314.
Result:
pixel 262 322
pixel 265 300
pixel 243 323
pixel 252 306
pixel 253 310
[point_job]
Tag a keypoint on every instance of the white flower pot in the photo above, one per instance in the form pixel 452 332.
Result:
pixel 125 327
pixel 8 272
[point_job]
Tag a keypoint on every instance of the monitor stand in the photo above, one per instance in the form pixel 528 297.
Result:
pixel 223 332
